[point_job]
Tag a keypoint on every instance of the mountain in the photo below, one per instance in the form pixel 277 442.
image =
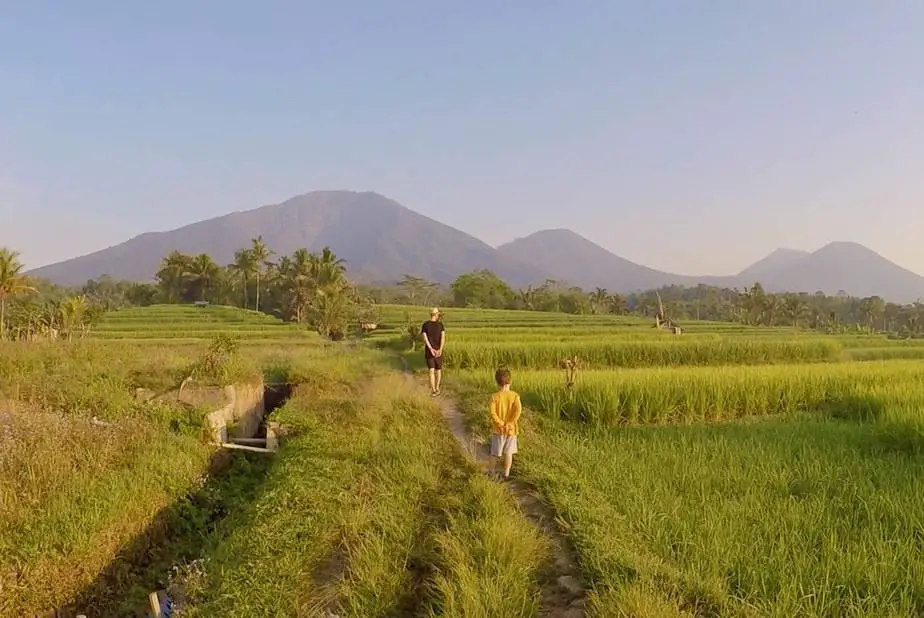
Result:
pixel 775 262
pixel 379 239
pixel 570 257
pixel 837 266
pixel 849 267
pixel 382 240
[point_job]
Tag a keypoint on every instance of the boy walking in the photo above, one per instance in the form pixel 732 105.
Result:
pixel 505 410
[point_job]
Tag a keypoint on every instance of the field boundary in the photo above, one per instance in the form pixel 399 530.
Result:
pixel 562 589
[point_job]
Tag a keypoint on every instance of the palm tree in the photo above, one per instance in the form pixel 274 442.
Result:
pixel 599 298
pixel 617 304
pixel 12 282
pixel 204 271
pixel 173 275
pixel 298 276
pixel 331 270
pixel 244 265
pixel 261 255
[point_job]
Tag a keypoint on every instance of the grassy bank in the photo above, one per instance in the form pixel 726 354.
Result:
pixel 369 511
pixel 87 468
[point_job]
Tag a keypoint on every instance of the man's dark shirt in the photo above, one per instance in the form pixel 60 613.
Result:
pixel 432 330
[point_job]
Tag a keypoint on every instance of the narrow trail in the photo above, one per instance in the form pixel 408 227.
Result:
pixel 562 589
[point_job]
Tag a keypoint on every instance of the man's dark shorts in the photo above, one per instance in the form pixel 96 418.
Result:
pixel 433 362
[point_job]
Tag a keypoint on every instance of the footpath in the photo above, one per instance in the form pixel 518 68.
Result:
pixel 563 593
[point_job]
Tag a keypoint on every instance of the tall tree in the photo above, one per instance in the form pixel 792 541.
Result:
pixel 417 288
pixel 12 282
pixel 261 255
pixel 173 275
pixel 599 299
pixel 204 273
pixel 244 266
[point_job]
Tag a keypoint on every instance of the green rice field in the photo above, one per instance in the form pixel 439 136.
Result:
pixel 729 471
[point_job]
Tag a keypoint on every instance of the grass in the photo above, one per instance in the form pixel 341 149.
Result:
pixel 87 470
pixel 65 512
pixel 733 471
pixel 678 352
pixel 370 512
pixel 795 515
pixel 791 517
pixel 692 394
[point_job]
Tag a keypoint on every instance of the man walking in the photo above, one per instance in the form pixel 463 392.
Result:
pixel 434 336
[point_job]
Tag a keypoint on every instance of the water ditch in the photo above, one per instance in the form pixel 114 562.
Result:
pixel 137 580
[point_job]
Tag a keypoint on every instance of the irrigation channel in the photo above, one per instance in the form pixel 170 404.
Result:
pixel 179 532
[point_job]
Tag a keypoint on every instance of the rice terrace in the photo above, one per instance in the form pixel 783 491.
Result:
pixel 742 466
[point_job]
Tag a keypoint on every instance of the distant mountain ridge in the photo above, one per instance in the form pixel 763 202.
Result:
pixel 382 240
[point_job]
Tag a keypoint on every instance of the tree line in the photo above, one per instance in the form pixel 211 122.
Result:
pixel 313 289
pixel 752 306
pixel 304 287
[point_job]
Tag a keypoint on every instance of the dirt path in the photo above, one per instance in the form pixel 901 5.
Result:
pixel 562 588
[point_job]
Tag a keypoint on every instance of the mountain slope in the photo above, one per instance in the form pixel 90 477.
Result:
pixel 382 240
pixel 850 267
pixel 378 238
pixel 778 260
pixel 570 257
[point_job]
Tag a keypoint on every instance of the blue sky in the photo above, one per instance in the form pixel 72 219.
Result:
pixel 693 137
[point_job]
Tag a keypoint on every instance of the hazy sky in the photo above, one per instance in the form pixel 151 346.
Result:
pixel 691 136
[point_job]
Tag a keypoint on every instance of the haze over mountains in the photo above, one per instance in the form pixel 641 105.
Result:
pixel 382 240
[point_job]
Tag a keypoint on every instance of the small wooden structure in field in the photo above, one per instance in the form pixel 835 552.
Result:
pixel 663 321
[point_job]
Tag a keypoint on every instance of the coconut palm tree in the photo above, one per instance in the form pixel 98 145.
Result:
pixel 174 275
pixel 244 266
pixel 204 272
pixel 301 281
pixel 331 270
pixel 599 299
pixel 12 283
pixel 261 255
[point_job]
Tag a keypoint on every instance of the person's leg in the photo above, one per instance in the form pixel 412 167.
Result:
pixel 497 448
pixel 508 463
pixel 510 449
pixel 431 365
pixel 438 377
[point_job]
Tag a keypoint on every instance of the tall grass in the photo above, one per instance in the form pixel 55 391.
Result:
pixel 682 395
pixel 465 355
pixel 789 517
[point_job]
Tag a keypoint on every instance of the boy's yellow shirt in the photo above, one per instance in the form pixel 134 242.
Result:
pixel 505 409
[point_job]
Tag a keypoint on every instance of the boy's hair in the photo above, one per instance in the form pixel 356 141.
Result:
pixel 502 377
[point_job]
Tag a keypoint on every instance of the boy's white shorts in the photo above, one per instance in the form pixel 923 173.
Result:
pixel 503 445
